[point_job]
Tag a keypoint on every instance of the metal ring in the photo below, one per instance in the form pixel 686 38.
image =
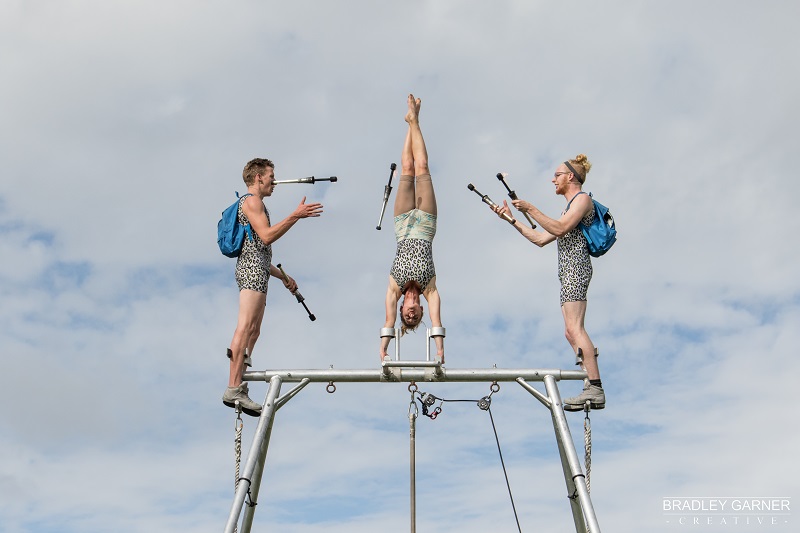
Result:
pixel 414 389
pixel 331 388
pixel 495 387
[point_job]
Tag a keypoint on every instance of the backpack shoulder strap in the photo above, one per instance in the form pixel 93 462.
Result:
pixel 570 202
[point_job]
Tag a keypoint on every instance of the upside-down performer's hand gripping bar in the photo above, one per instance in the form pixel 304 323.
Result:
pixel 299 296
pixel 311 180
pixel 488 201
pixel 513 195
pixel 387 190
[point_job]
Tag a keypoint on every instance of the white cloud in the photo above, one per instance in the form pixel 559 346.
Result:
pixel 125 129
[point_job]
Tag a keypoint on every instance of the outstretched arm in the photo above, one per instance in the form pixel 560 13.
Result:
pixel 539 238
pixel 254 209
pixel 392 296
pixel 578 209
pixel 431 294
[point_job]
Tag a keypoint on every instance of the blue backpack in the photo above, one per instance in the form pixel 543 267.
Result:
pixel 601 234
pixel 230 234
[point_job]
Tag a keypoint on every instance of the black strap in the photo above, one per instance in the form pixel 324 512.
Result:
pixel 570 202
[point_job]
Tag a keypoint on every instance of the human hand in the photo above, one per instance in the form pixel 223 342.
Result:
pixel 522 205
pixel 290 283
pixel 502 210
pixel 305 210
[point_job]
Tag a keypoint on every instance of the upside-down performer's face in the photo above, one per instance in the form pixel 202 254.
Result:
pixel 411 312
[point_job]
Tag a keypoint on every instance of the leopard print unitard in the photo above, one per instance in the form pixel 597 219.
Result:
pixel 574 262
pixel 413 261
pixel 252 266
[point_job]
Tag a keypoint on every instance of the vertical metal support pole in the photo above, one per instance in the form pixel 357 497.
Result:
pixel 259 440
pixel 247 520
pixel 428 345
pixel 412 421
pixel 397 344
pixel 573 473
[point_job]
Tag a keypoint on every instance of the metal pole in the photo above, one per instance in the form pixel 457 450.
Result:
pixel 412 420
pixel 262 430
pixel 570 461
pixel 463 375
pixel 249 511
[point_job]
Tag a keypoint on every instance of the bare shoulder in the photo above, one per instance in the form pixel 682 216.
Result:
pixel 253 202
pixel 393 286
pixel 583 202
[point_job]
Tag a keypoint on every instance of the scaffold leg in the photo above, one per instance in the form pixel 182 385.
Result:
pixel 249 511
pixel 260 440
pixel 573 474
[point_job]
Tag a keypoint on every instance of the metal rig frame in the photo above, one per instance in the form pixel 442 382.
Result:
pixel 396 371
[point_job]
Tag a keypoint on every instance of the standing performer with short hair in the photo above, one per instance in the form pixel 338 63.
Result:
pixel 574 266
pixel 412 273
pixel 253 270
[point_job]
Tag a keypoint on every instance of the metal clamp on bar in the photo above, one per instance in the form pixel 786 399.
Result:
pixel 437 331
pixel 392 333
pixel 434 331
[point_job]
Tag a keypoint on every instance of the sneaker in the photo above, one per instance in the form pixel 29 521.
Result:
pixel 232 394
pixel 591 393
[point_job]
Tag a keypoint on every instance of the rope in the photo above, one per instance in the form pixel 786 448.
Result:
pixel 508 484
pixel 587 443
pixel 237 449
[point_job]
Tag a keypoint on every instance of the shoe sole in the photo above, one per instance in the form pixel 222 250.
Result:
pixel 245 410
pixel 576 407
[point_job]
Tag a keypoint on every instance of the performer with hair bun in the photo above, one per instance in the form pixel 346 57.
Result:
pixel 574 266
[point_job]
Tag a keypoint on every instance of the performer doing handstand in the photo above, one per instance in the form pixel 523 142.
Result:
pixel 412 272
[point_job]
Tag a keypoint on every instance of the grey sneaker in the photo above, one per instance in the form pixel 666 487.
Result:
pixel 232 394
pixel 591 393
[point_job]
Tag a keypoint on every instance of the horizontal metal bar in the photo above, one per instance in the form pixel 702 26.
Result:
pixel 410 364
pixel 416 374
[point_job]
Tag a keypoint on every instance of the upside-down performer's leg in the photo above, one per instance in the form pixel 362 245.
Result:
pixel 405 199
pixel 425 196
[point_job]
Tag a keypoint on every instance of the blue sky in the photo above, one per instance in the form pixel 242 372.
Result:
pixel 125 127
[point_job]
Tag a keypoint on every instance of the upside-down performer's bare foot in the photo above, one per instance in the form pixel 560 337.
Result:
pixel 413 109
